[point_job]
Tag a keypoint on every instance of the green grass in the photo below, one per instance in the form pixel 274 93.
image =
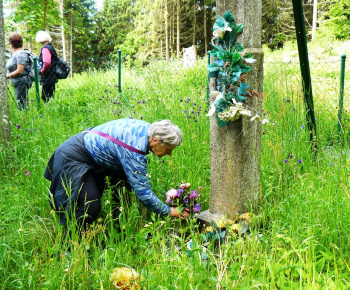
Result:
pixel 300 232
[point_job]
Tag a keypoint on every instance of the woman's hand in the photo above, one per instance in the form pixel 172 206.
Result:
pixel 174 212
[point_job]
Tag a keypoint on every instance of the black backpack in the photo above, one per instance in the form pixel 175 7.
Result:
pixel 62 69
pixel 31 56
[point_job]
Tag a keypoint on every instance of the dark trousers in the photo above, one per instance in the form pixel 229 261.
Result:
pixel 89 199
pixel 21 93
pixel 48 90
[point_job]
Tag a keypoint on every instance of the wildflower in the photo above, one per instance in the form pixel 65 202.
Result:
pixel 300 161
pixel 27 172
pixel 302 127
pixel 193 194
pixel 18 126
pixel 288 100
pixel 197 207
pixel 143 101
pixel 291 156
pixel 182 185
pixel 265 121
pixel 41 115
pixel 285 161
pixel 168 200
pixel 180 100
pixel 185 112
pixel 107 202
pixel 331 165
pixel 188 185
pixel 172 193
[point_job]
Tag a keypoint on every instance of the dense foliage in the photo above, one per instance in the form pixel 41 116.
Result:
pixel 152 29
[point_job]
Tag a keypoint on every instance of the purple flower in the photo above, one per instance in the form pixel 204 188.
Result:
pixel 195 121
pixel 181 100
pixel 185 112
pixel 194 104
pixel 331 164
pixel 193 194
pixel 41 115
pixel 302 127
pixel 197 207
pixel 186 200
pixel 285 161
pixel 300 161
pixel 288 100
pixel 143 101
pixel 18 126
pixel 291 156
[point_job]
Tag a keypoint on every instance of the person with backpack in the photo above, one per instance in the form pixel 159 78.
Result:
pixel 19 71
pixel 47 59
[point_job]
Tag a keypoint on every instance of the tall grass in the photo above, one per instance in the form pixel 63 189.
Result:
pixel 300 233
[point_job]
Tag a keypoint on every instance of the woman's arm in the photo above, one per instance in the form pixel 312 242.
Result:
pixel 46 60
pixel 18 71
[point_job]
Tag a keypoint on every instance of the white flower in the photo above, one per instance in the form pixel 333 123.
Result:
pixel 265 121
pixel 255 117
pixel 219 33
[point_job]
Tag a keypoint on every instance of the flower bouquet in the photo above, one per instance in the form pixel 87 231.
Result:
pixel 184 197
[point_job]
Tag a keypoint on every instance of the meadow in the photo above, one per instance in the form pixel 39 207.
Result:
pixel 300 232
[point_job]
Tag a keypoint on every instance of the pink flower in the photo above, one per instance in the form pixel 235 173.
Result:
pixel 168 200
pixel 172 193
pixel 182 185
pixel 193 194
pixel 27 172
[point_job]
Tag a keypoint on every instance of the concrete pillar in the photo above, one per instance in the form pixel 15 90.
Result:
pixel 235 149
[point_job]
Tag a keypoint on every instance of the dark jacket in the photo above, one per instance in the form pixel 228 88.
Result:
pixel 49 75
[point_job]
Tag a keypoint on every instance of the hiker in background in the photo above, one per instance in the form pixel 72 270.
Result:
pixel 18 70
pixel 47 60
pixel 79 167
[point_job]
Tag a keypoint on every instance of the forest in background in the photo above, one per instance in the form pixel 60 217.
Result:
pixel 151 29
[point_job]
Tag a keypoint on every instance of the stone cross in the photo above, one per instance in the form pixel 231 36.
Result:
pixel 235 149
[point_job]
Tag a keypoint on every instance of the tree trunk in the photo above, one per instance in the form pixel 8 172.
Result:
pixel 5 136
pixel 166 31
pixel 62 32
pixel 178 28
pixel 71 43
pixel 205 27
pixel 45 14
pixel 194 21
pixel 314 20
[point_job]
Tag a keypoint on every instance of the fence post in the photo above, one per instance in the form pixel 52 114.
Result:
pixel 120 70
pixel 305 71
pixel 36 80
pixel 341 96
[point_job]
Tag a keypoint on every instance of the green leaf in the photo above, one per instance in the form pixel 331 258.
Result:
pixel 213 67
pixel 219 55
pixel 248 55
pixel 239 98
pixel 239 28
pixel 219 62
pixel 242 89
pixel 213 74
pixel 245 68
pixel 236 57
pixel 220 22
pixel 239 47
pixel 229 17
pixel 227 56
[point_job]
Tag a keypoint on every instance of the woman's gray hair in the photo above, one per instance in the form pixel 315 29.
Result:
pixel 43 36
pixel 166 132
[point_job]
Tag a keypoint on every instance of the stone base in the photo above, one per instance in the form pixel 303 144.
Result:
pixel 204 218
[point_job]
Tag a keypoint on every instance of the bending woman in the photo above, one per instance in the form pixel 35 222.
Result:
pixel 78 168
